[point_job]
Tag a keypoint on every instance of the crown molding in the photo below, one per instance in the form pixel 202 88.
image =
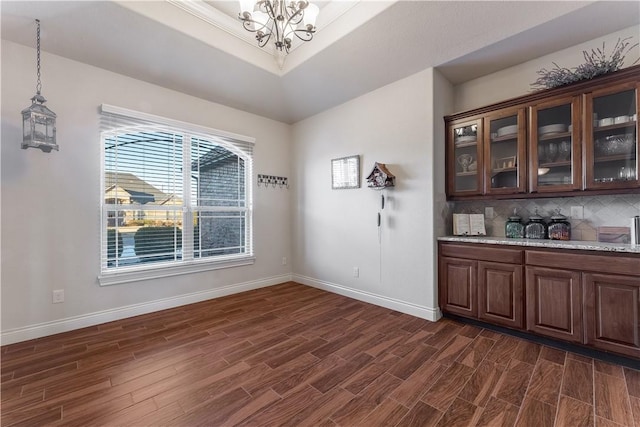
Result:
pixel 209 14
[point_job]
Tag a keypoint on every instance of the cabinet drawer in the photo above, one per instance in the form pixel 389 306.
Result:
pixel 482 253
pixel 584 262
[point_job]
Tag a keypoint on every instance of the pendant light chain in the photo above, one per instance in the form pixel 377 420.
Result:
pixel 39 84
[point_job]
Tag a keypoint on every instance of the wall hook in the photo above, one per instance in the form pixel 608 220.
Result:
pixel 274 181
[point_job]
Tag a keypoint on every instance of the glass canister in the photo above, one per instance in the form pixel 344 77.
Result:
pixel 559 227
pixel 535 228
pixel 514 228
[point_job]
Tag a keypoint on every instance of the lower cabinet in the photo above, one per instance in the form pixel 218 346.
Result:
pixel 587 298
pixel 500 294
pixel 458 291
pixel 554 303
pixel 613 313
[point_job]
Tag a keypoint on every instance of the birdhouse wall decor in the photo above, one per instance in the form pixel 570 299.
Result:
pixel 380 177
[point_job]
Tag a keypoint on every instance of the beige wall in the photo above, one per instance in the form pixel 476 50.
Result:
pixel 51 202
pixel 336 230
pixel 516 81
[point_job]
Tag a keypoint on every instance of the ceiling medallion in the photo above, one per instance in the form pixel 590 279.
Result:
pixel 279 20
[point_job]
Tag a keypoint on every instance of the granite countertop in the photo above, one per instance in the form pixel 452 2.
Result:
pixel 536 243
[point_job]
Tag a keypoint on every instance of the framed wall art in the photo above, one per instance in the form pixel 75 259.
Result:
pixel 345 173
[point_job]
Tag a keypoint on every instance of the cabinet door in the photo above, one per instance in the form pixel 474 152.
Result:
pixel 505 152
pixel 555 155
pixel 500 298
pixel 464 158
pixel 611 137
pixel 554 303
pixel 458 286
pixel 612 312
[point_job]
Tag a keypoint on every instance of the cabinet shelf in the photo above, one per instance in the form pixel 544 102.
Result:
pixel 555 164
pixel 554 135
pixel 465 144
pixel 501 170
pixel 615 126
pixel 473 173
pixel 505 138
pixel 615 158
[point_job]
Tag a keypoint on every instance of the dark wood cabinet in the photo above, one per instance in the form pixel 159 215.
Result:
pixel 612 307
pixel 611 137
pixel 465 164
pixel 500 294
pixel 505 152
pixel 554 303
pixel 458 293
pixel 585 297
pixel 485 284
pixel 565 141
pixel 555 145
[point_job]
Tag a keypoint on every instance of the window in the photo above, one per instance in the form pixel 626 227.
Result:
pixel 175 197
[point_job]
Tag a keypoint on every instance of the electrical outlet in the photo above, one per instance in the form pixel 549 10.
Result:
pixel 577 212
pixel 284 260
pixel 356 272
pixel 57 296
pixel 488 212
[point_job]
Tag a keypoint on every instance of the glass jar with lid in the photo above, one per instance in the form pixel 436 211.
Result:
pixel 514 228
pixel 560 227
pixel 535 228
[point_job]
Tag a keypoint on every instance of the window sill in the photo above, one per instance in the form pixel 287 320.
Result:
pixel 137 274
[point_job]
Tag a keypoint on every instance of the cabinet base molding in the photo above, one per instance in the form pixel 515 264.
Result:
pixel 549 342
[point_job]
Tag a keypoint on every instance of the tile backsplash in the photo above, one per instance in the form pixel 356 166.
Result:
pixel 598 211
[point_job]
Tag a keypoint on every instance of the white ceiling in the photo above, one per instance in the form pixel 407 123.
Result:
pixel 202 49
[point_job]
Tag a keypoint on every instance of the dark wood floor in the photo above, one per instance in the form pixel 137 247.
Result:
pixel 294 355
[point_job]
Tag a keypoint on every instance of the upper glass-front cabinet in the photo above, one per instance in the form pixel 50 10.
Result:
pixel 612 137
pixel 504 153
pixel 577 139
pixel 465 158
pixel 554 146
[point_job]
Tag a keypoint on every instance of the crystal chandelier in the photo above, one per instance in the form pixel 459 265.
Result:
pixel 280 20
pixel 39 122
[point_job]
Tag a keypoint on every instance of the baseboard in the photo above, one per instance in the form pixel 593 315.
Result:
pixel 432 314
pixel 71 323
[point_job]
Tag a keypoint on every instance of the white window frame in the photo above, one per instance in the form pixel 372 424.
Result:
pixel 231 141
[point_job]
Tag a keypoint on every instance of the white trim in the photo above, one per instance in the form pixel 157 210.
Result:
pixel 173 269
pixel 111 109
pixel 233 26
pixel 69 324
pixel 428 313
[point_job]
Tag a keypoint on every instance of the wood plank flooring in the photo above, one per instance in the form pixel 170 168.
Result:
pixel 297 356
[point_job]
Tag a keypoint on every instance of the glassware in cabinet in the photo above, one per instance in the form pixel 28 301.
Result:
pixel 612 137
pixel 504 153
pixel 554 146
pixel 465 158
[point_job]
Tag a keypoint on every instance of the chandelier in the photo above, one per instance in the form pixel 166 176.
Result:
pixel 280 20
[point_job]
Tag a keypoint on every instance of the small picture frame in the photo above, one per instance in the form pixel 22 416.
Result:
pixel 345 172
pixel 506 162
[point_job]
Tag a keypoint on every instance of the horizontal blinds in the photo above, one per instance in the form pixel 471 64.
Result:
pixel 172 194
pixel 113 117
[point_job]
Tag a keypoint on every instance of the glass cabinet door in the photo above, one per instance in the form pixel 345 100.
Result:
pixel 465 158
pixel 612 137
pixel 554 146
pixel 504 154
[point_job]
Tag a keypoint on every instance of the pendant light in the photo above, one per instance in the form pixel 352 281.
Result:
pixel 39 122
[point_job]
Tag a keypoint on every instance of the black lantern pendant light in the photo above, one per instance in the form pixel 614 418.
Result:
pixel 39 122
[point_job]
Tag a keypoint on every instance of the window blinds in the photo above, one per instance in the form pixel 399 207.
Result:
pixel 173 192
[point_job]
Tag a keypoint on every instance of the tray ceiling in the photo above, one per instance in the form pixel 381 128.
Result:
pixel 359 46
